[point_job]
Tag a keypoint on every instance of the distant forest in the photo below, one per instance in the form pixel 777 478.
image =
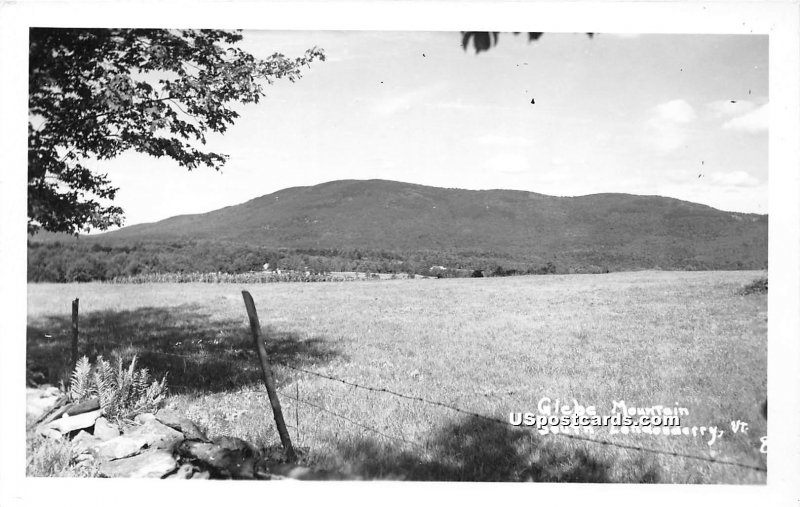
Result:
pixel 86 260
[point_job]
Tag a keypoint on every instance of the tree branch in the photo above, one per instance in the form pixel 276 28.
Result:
pixel 109 113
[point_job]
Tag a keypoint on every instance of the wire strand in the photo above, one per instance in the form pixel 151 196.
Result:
pixel 506 423
pixel 472 414
pixel 351 421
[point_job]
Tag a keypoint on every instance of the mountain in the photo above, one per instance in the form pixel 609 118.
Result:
pixel 620 231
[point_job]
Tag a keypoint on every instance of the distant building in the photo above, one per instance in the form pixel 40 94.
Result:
pixel 274 270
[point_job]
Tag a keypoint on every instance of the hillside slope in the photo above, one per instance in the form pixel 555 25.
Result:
pixel 621 230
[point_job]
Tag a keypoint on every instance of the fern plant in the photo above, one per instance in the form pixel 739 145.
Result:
pixel 104 382
pixel 123 392
pixel 80 386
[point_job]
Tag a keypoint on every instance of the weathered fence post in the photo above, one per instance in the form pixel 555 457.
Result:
pixel 74 354
pixel 296 412
pixel 269 381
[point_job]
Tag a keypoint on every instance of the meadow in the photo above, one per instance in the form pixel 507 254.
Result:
pixel 489 345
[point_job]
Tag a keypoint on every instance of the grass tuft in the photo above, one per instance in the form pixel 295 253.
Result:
pixel 55 458
pixel 758 286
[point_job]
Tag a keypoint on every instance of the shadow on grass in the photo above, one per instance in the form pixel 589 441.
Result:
pixel 200 354
pixel 476 450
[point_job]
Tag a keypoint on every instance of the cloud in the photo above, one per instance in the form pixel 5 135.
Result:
pixel 729 108
pixel 751 199
pixel 733 179
pixel 675 111
pixel 666 125
pixel 753 121
pixel 715 179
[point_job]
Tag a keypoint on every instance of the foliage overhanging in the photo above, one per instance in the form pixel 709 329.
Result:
pixel 96 93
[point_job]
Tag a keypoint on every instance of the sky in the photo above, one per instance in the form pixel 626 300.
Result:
pixel 682 116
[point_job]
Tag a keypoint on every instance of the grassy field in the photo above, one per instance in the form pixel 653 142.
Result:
pixel 491 346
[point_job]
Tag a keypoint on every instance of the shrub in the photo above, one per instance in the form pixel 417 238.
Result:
pixel 123 392
pixel 758 286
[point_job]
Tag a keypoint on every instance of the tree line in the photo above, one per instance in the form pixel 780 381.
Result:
pixel 83 261
pixel 86 259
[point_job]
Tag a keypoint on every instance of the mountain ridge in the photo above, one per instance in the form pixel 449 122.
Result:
pixel 391 215
pixel 617 230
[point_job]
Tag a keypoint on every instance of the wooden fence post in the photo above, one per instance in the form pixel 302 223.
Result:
pixel 269 381
pixel 296 412
pixel 74 354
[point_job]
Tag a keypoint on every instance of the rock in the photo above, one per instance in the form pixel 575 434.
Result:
pixel 176 421
pixel 261 471
pixel 185 471
pixel 292 471
pixel 171 418
pixel 156 434
pixel 151 434
pixel 84 440
pixel 236 444
pixel 144 418
pixel 301 473
pixel 243 469
pixel 49 432
pixel 104 430
pixel 82 407
pixel 237 463
pixel 201 475
pixel 276 454
pixel 50 390
pixel 71 423
pixel 151 464
pixel 191 431
pixel 83 457
pixel 82 435
pixel 117 448
pixel 40 400
pixel 205 452
pixel 63 409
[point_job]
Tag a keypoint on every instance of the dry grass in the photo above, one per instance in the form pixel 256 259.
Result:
pixel 54 458
pixel 492 346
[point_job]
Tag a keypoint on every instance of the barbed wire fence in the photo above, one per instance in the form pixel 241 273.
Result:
pixel 295 397
pixel 286 393
pixel 494 420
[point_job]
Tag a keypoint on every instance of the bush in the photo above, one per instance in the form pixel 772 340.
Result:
pixel 758 286
pixel 123 392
